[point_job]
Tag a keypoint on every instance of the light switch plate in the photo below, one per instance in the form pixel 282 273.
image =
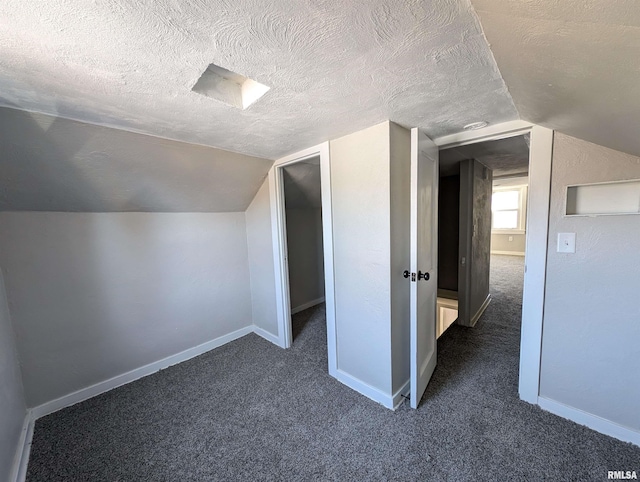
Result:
pixel 566 242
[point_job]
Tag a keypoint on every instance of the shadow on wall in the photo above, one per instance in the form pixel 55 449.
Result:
pixel 34 161
pixel 55 164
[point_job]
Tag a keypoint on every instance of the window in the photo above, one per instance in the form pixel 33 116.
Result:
pixel 508 209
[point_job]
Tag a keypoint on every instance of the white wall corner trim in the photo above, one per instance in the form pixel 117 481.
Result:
pixel 591 421
pixel 509 253
pixel 304 306
pixel 367 390
pixel 117 381
pixel 19 469
pixel 267 336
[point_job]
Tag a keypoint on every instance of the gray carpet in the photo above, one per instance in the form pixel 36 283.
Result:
pixel 251 411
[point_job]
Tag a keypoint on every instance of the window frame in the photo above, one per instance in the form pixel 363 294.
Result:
pixel 522 209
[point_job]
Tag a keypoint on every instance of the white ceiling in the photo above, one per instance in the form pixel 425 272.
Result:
pixel 53 164
pixel 571 65
pixel 333 67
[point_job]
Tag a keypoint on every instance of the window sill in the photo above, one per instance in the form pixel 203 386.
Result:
pixel 508 231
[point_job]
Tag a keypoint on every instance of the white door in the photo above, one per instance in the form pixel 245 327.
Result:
pixel 424 261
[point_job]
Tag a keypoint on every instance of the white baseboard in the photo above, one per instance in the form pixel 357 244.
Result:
pixel 401 394
pixel 304 306
pixel 365 389
pixel 21 459
pixel 479 313
pixel 594 422
pixel 266 335
pixel 508 253
pixel 117 381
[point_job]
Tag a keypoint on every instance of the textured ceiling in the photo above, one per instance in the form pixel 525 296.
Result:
pixel 505 157
pixel 333 67
pixel 54 164
pixel 571 65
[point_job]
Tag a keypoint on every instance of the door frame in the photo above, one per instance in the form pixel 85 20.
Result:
pixel 537 233
pixel 279 240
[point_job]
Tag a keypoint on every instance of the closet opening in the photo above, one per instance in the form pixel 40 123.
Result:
pixel 304 244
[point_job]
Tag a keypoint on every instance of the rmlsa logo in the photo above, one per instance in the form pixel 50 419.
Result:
pixel 622 474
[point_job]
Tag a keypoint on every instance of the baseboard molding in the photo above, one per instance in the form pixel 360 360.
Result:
pixel 480 311
pixel 591 421
pixel 365 389
pixel 266 335
pixel 23 448
pixel 401 394
pixel 117 381
pixel 508 253
pixel 304 306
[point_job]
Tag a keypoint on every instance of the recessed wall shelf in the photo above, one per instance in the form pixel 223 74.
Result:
pixel 604 199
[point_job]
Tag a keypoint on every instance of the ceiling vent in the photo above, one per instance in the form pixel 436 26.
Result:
pixel 228 87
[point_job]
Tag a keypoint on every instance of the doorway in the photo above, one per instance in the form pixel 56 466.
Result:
pixel 538 155
pixel 482 209
pixel 304 179
pixel 303 226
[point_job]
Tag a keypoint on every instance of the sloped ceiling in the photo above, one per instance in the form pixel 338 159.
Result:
pixel 571 65
pixel 333 67
pixel 302 186
pixel 53 164
pixel 505 157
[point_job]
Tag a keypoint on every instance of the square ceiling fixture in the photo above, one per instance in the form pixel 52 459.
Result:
pixel 225 86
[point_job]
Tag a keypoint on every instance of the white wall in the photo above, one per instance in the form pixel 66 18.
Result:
pixel 500 243
pixel 305 255
pixel 93 296
pixel 591 336
pixel 262 271
pixel 12 404
pixel 360 181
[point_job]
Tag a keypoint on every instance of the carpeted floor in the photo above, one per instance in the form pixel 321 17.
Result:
pixel 252 411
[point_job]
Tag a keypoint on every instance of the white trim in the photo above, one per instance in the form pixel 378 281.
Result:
pixel 481 310
pixel 591 421
pixel 490 133
pixel 119 380
pixel 304 306
pixel 279 239
pixel 281 269
pixel 401 394
pixel 266 335
pixel 509 253
pixel 507 231
pixel 21 458
pixel 367 390
pixel 540 158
